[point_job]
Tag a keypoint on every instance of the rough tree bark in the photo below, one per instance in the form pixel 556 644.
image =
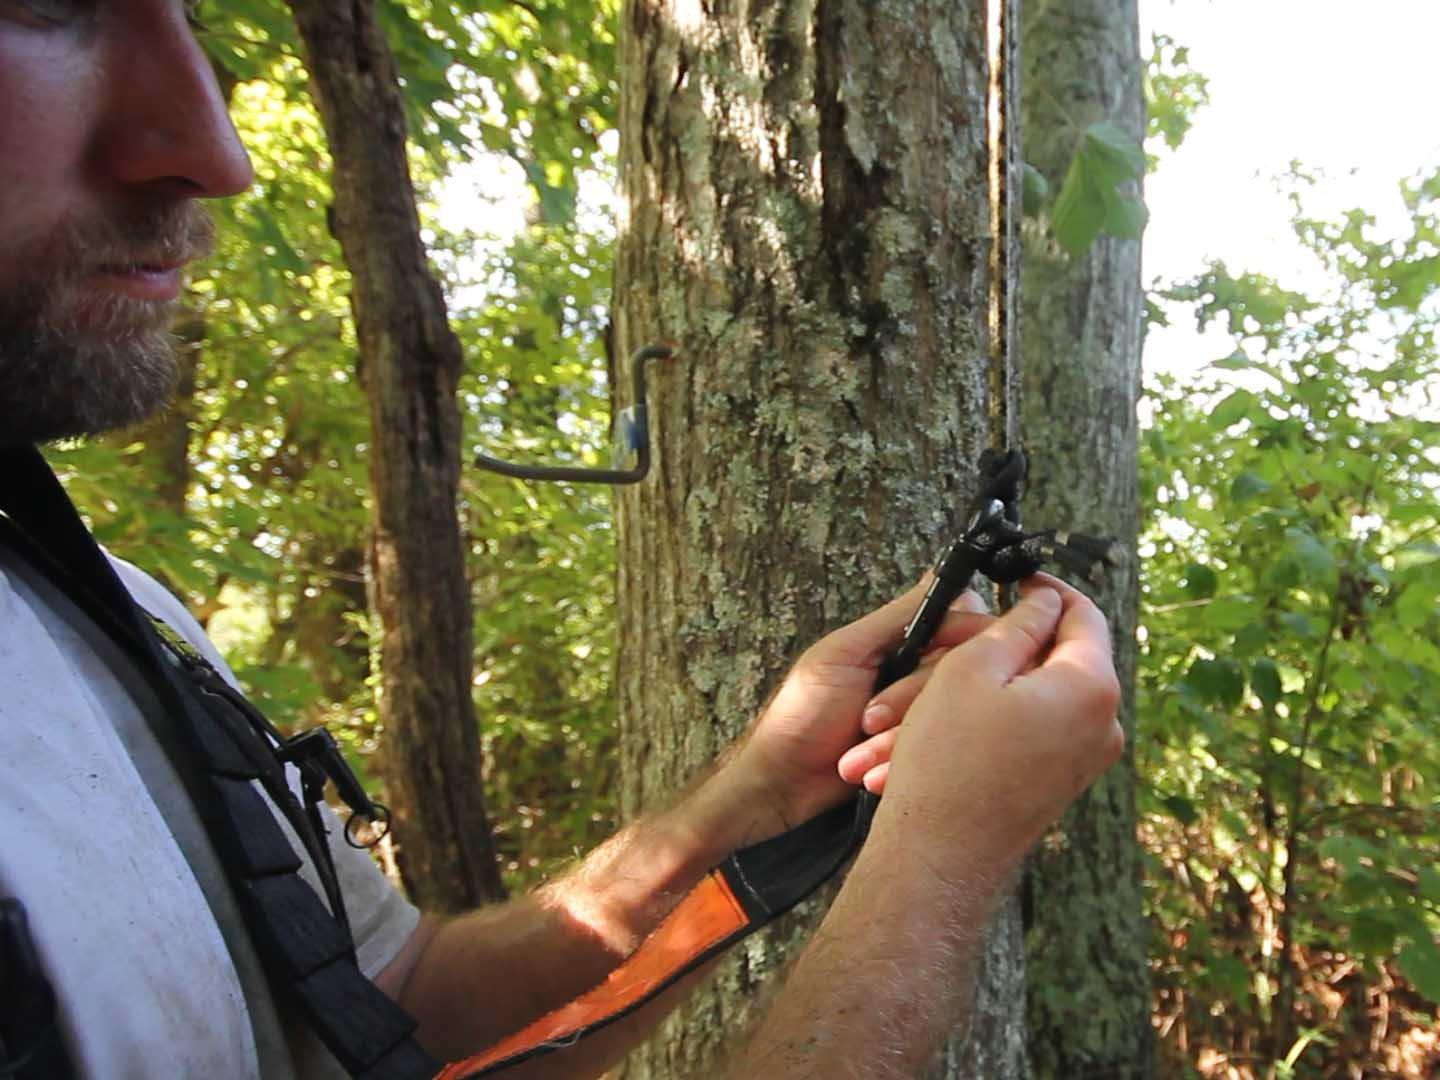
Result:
pixel 410 362
pixel 1082 326
pixel 807 221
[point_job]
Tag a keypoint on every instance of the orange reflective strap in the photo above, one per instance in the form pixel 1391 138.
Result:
pixel 707 917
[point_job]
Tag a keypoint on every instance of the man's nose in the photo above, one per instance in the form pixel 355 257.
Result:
pixel 167 126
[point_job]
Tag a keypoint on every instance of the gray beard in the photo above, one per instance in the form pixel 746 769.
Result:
pixel 58 386
pixel 74 363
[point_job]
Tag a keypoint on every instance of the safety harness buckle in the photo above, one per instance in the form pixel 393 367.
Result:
pixel 318 757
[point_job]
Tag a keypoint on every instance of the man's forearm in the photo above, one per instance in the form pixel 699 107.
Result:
pixel 475 979
pixel 890 972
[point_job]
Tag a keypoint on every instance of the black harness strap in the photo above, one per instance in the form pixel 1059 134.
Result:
pixel 307 951
pixel 31 1047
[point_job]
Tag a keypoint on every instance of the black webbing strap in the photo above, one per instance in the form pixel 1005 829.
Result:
pixel 308 954
pixel 31 1046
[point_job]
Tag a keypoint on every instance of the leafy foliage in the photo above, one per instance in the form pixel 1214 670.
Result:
pixel 543 554
pixel 1174 92
pixel 1097 195
pixel 1290 657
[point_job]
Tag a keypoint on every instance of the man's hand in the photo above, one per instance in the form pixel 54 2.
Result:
pixel 1001 734
pixel 787 767
pixel 1008 729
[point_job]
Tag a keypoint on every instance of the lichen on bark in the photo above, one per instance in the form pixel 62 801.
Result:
pixel 1082 325
pixel 806 223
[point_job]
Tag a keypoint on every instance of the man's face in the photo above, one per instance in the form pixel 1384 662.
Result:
pixel 111 130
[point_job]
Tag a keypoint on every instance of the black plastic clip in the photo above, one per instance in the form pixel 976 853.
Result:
pixel 318 757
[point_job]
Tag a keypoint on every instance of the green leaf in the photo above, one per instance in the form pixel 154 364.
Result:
pixel 1220 681
pixel 1079 212
pixel 1372 934
pixel 1200 581
pixel 1251 639
pixel 1413 513
pixel 1348 851
pixel 1238 361
pixel 1416 605
pixel 1034 189
pixel 1248 485
pixel 1182 809
pixel 1232 974
pixel 1117 156
pixel 272 237
pixel 1090 200
pixel 1265 681
pixel 1349 679
pixel 1231 613
pixel 1240 405
pixel 1420 963
pixel 1125 215
pixel 1310 554
pixel 1430 883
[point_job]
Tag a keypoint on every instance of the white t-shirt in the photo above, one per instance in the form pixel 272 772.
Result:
pixel 150 980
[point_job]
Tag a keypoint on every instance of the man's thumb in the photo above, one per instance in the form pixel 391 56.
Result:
pixel 1014 641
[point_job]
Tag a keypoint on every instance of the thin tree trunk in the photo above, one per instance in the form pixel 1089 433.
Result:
pixel 807 222
pixel 1089 1000
pixel 410 361
pixel 165 439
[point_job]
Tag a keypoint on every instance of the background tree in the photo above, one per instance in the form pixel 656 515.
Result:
pixel 410 360
pixel 807 221
pixel 1083 120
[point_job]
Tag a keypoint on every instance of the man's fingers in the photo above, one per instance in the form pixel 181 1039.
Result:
pixel 874 781
pixel 961 624
pixel 970 601
pixel 861 758
pixel 1015 640
pixel 880 715
pixel 1080 661
pixel 865 641
pixel 1081 622
pixel 890 704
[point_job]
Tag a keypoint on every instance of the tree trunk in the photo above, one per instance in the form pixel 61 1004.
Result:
pixel 165 438
pixel 1081 321
pixel 807 222
pixel 410 361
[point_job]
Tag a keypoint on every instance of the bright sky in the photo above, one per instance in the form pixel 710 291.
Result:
pixel 1344 86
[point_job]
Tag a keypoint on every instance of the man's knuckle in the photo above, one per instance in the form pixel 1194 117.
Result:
pixel 1099 695
pixel 1017 635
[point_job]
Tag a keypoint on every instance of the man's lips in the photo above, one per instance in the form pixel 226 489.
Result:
pixel 159 280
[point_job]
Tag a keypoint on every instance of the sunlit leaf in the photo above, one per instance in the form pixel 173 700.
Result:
pixel 1420 962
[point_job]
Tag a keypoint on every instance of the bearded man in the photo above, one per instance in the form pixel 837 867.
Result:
pixel 126 815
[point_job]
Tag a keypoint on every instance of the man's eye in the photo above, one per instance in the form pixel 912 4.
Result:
pixel 42 13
